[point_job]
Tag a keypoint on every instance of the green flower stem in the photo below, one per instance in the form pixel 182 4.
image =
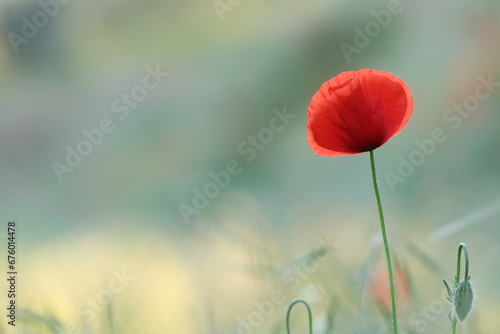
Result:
pixel 459 258
pixel 386 244
pixel 290 310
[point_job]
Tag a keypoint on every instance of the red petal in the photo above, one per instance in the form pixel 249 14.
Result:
pixel 357 112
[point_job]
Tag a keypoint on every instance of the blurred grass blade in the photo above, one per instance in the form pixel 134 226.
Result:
pixel 461 223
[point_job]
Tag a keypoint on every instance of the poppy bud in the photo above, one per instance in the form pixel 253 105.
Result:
pixel 462 299
pixel 380 287
pixel 462 294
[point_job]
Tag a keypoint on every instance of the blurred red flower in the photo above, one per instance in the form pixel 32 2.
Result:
pixel 357 112
pixel 380 287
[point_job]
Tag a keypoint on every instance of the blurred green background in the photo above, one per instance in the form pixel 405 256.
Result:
pixel 227 68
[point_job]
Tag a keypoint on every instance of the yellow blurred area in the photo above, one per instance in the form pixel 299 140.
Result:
pixel 96 280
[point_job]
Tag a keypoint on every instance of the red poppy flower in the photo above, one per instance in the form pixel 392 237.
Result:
pixel 357 112
pixel 381 287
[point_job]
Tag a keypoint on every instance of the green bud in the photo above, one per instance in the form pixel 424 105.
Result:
pixel 462 298
pixel 462 295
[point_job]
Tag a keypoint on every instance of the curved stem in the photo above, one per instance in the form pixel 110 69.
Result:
pixel 289 311
pixel 386 244
pixel 459 258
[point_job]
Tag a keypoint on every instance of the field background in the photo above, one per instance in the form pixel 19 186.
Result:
pixel 107 250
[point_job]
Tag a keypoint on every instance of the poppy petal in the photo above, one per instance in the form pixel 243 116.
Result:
pixel 357 112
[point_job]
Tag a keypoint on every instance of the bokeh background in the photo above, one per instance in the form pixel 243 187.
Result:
pixel 107 249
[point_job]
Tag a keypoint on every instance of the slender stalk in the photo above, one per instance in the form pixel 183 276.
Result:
pixel 386 244
pixel 459 260
pixel 290 310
